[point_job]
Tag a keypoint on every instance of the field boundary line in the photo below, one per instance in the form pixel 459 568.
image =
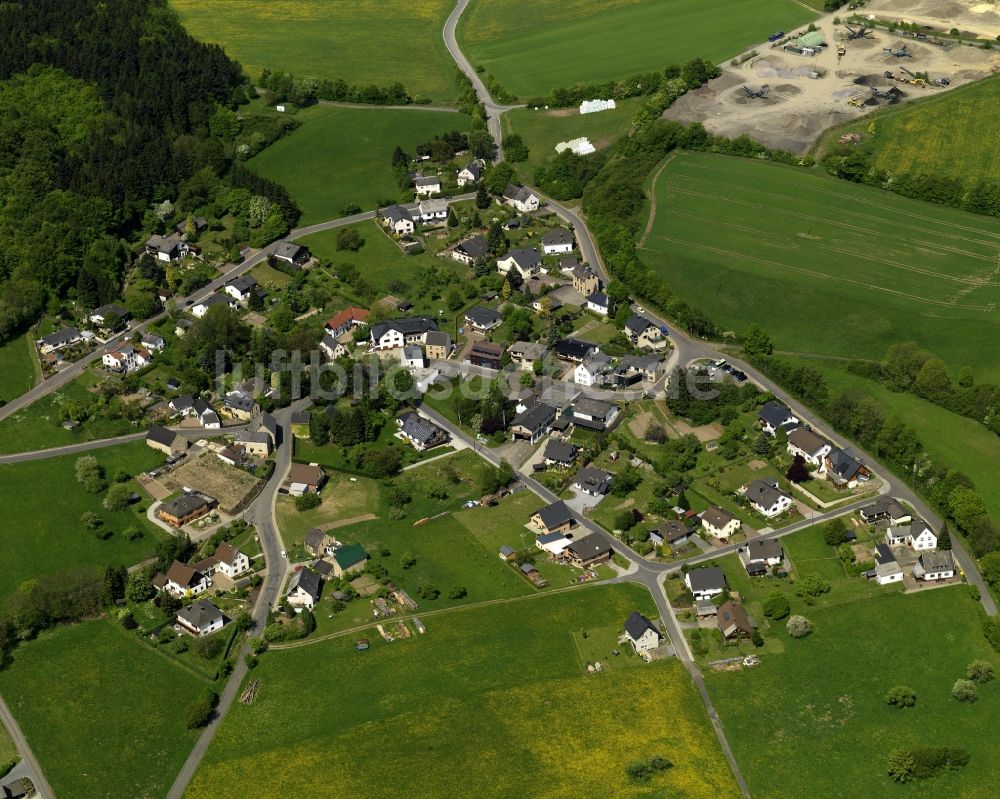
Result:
pixel 652 199
pixel 436 612
pixel 912 214
pixel 823 276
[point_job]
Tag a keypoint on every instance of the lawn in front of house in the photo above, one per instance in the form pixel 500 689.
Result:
pixel 485 685
pixel 43 502
pixel 344 497
pixel 104 714
pixel 817 707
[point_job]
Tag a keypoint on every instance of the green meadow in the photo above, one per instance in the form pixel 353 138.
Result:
pixel 362 42
pixel 824 266
pixel 340 157
pixel 564 42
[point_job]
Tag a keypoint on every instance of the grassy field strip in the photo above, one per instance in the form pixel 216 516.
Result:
pixel 976 282
pixel 889 200
pixel 436 612
pixel 652 198
pixel 361 42
pixel 823 276
pixel 530 53
pixel 909 240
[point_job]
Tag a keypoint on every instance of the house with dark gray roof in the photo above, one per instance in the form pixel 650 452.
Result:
pixel 811 447
pixel 58 340
pixel 766 551
pixel 589 550
pixel 559 453
pixel 599 303
pixel 166 441
pixel 592 481
pixel 554 518
pixel 844 470
pixel 766 498
pixel 242 287
pixel 470 250
pixel 774 416
pixel 519 197
pixel 557 241
pixel 398 219
pixel 524 260
pixel 937 565
pixel 201 618
pixel 673 533
pixel 470 173
pixel 483 319
pixel 533 423
pixel 885 509
pixel 426 185
pixel 304 589
pixel 422 433
pixel 290 253
pixel 705 582
pixel 642 633
pixel 574 350
pixel 594 414
pixel 397 332
pixel 642 332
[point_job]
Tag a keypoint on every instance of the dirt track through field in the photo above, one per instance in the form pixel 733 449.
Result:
pixel 652 199
pixel 364 517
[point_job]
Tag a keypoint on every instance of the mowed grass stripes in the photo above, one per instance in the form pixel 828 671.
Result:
pixel 825 266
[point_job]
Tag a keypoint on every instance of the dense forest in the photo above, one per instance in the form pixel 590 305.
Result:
pixel 105 107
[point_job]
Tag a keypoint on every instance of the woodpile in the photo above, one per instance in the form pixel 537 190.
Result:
pixel 249 694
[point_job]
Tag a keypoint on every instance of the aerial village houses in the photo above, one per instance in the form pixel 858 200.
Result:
pixel 720 523
pixel 599 303
pixel 425 186
pixel 471 250
pixel 885 509
pixel 56 341
pixel 574 350
pixel 592 481
pixel 672 533
pixel 557 242
pixel 519 197
pixel 486 354
pixel 422 433
pixel 241 288
pixel 810 446
pixel 843 470
pixel 227 559
pixel 705 582
pixel 588 551
pixel 482 319
pixel 533 423
pixel 525 353
pixel 152 342
pixel 760 555
pixel 398 220
pixel 432 210
pixel 641 633
pixel 887 569
pixel 733 621
pixel 200 618
pixel 525 261
pixel 166 441
pixel 774 416
pixel 559 453
pixel 554 518
pixel 766 498
pixel 471 173
pixel 199 310
pixel 917 535
pixel 641 332
pixel 937 565
pixel 110 318
pixel 240 404
pixel 593 370
pixel 304 589
pixel 304 478
pixel 125 358
pixel 348 559
pixel 437 345
pixel 585 281
pixel 397 332
pixel 166 249
pixel 185 509
pixel 294 255
pixel 182 580
pixel 594 414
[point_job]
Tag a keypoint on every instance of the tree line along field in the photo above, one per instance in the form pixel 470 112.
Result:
pixel 491 700
pixel 40 536
pixel 103 713
pixel 953 134
pixel 342 156
pixel 561 43
pixel 362 42
pixel 825 266
pixel 811 720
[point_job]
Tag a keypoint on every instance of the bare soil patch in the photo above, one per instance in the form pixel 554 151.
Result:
pixel 206 473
